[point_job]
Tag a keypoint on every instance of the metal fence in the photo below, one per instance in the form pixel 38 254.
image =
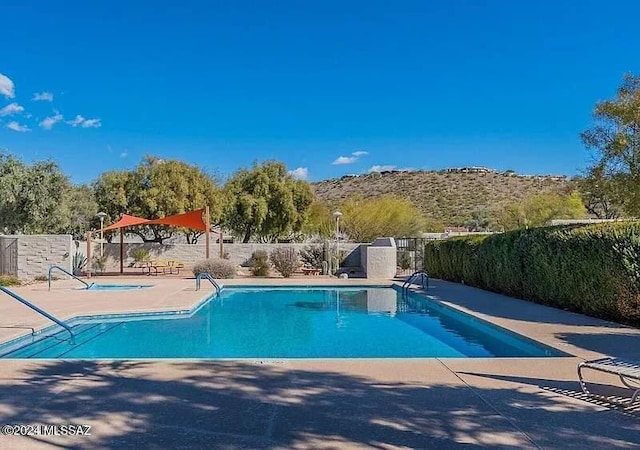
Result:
pixel 411 253
pixel 9 256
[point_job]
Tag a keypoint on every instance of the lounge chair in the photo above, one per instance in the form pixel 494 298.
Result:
pixel 625 369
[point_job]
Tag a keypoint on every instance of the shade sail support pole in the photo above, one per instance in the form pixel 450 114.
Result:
pixel 89 234
pixel 121 251
pixel 207 231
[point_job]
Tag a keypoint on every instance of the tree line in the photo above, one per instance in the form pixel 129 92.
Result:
pixel 265 203
pixel 262 203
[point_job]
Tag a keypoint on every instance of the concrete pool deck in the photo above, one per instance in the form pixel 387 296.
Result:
pixel 384 403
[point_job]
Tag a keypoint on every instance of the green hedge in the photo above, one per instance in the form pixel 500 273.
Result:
pixel 592 269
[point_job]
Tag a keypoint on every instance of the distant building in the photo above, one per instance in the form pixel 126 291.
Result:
pixel 471 169
pixel 545 177
pixel 450 234
pixel 455 229
pixel 586 221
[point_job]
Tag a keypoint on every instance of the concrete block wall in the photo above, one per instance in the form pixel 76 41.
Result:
pixel 239 254
pixel 378 259
pixel 363 255
pixel 381 259
pixel 36 253
pixel 353 256
pixel 188 253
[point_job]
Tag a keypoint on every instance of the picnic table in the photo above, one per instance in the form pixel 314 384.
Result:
pixel 156 265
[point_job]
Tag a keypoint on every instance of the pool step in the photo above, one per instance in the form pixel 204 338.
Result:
pixel 56 345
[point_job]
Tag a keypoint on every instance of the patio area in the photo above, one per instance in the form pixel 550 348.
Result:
pixel 382 403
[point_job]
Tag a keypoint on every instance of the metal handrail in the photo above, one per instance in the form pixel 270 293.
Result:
pixel 424 276
pixel 39 311
pixel 68 273
pixel 206 276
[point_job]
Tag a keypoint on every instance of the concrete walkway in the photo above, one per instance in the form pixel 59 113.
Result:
pixel 408 403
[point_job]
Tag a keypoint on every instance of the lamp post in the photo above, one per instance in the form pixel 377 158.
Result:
pixel 101 215
pixel 337 215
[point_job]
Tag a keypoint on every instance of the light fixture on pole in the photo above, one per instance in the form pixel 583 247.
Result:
pixel 101 215
pixel 337 215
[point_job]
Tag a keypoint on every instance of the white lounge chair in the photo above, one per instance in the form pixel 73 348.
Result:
pixel 625 369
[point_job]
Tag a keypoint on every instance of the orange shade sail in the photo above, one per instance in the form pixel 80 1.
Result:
pixel 126 221
pixel 191 219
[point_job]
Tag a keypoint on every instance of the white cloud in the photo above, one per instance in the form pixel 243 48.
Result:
pixel 42 97
pixel 85 123
pixel 12 108
pixel 345 160
pixel 77 121
pixel 382 168
pixel 301 173
pixel 124 154
pixel 349 159
pixel 49 122
pixel 7 88
pixel 92 123
pixel 15 126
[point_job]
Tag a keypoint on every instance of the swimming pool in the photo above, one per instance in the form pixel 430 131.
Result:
pixel 355 322
pixel 115 287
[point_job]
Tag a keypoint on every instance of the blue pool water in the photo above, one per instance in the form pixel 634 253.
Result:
pixel 288 323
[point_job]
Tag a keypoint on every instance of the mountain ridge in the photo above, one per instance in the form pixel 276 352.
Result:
pixel 451 196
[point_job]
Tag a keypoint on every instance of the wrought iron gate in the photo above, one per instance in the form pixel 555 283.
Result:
pixel 410 253
pixel 9 256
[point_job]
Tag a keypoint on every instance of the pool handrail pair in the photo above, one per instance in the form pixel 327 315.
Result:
pixel 39 311
pixel 68 273
pixel 207 276
pixel 424 278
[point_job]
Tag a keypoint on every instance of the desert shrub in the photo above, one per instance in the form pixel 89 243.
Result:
pixel 79 263
pixel 9 280
pixel 100 262
pixel 285 261
pixel 217 268
pixel 260 263
pixel 140 254
pixel 592 269
pixel 404 259
pixel 312 256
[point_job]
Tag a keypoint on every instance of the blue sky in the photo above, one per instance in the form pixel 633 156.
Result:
pixel 419 84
